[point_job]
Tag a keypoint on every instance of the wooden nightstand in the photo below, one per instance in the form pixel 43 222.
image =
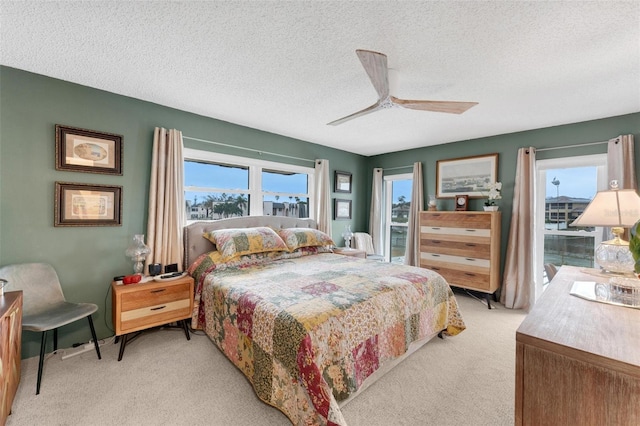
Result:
pixel 137 307
pixel 350 252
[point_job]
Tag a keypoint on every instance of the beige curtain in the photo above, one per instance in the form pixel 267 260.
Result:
pixel 412 251
pixel 166 199
pixel 323 196
pixel 375 214
pixel 621 162
pixel 518 286
pixel 621 167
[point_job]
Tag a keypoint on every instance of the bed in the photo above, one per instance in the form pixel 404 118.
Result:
pixel 309 329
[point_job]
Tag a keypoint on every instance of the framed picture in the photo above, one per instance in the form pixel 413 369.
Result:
pixel 466 176
pixel 79 204
pixel 341 209
pixel 82 150
pixel 342 182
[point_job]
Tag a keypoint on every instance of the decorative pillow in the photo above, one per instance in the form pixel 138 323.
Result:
pixel 304 237
pixel 233 243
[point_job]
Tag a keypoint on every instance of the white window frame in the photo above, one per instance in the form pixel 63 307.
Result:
pixel 255 166
pixel 388 201
pixel 596 160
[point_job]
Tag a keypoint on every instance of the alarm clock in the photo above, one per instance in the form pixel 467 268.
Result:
pixel 462 202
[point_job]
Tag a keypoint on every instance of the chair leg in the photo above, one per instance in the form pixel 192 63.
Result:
pixel 95 339
pixel 43 343
pixel 55 339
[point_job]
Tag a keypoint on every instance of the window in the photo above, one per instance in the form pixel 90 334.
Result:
pixel 565 186
pixel 397 198
pixel 219 186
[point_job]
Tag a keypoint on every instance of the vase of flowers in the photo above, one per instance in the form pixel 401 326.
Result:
pixel 494 194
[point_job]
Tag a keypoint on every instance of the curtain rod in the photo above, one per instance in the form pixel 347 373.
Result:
pixel 248 149
pixel 571 146
pixel 399 167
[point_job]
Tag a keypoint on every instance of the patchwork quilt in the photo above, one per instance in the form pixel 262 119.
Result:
pixel 307 329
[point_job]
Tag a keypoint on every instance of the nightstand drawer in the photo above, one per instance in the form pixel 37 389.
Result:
pixel 153 315
pixel 154 295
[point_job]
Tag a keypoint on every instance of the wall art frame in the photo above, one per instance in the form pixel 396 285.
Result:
pixel 341 209
pixel 342 182
pixel 466 176
pixel 80 204
pixel 88 151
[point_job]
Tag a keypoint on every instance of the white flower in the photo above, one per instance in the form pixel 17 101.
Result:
pixel 494 193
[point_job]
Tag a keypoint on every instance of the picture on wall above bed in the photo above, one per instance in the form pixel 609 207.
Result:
pixel 341 209
pixel 342 182
pixel 79 204
pixel 466 176
pixel 82 150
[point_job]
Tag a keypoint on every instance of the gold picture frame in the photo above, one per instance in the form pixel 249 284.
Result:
pixel 79 204
pixel 89 151
pixel 466 176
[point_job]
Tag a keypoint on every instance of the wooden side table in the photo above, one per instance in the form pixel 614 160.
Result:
pixel 10 347
pixel 137 307
pixel 345 251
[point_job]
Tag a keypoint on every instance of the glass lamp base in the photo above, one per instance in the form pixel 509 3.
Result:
pixel 614 256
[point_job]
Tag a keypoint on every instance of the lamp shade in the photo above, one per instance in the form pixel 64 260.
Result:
pixel 612 208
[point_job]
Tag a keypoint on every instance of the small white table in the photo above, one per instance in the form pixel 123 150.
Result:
pixel 345 251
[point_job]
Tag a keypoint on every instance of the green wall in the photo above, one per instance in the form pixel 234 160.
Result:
pixel 87 258
pixel 507 147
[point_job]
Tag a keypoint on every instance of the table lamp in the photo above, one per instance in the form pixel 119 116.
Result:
pixel 618 209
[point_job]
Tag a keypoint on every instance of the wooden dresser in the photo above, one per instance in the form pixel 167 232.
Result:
pixel 137 307
pixel 10 349
pixel 577 361
pixel 464 247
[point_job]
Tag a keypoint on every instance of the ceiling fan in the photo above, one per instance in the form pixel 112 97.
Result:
pixel 375 64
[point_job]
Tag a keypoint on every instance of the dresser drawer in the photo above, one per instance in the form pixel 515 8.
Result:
pixel 474 220
pixel 456 261
pixel 475 279
pixel 480 249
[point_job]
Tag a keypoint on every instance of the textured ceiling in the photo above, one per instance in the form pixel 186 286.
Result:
pixel 290 67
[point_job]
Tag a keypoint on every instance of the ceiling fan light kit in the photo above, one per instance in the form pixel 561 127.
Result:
pixel 375 64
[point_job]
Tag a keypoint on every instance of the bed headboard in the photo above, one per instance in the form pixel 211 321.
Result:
pixel 195 244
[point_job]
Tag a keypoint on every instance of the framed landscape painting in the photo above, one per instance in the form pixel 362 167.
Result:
pixel 82 150
pixel 79 204
pixel 466 176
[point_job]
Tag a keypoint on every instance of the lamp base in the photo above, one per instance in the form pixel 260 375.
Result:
pixel 614 256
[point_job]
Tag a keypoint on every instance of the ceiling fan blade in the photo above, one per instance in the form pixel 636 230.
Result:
pixel 436 106
pixel 375 64
pixel 365 111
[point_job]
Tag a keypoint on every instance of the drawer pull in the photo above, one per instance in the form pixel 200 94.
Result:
pixel 470 259
pixel 160 290
pixel 435 255
pixel 435 242
pixel 470 245
pixel 471 230
pixel 435 268
pixel 435 228
pixel 470 274
pixel 158 308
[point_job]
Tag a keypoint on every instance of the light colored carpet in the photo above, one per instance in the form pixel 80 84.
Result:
pixel 165 380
